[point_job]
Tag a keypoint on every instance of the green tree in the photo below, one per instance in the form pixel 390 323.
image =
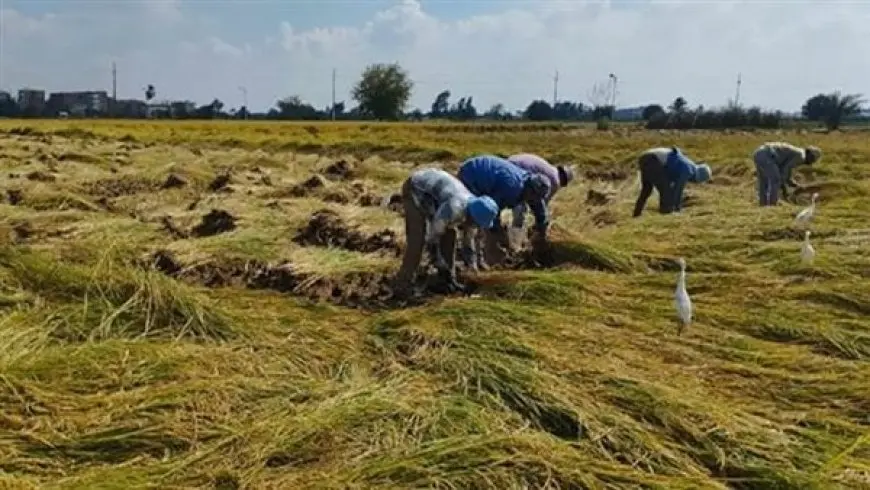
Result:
pixel 538 110
pixel 679 104
pixel 441 105
pixel 383 91
pixel 497 111
pixel 652 111
pixel 832 108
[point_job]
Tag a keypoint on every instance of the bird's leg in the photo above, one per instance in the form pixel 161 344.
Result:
pixel 680 327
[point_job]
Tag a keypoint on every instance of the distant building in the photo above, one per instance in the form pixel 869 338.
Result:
pixel 5 97
pixel 160 110
pixel 89 103
pixel 131 108
pixel 31 101
pixel 182 108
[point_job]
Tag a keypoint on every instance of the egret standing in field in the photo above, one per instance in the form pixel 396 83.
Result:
pixel 807 214
pixel 808 253
pixel 682 300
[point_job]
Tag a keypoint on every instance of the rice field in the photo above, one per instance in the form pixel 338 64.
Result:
pixel 204 305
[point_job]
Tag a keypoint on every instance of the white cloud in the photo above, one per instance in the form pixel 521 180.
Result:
pixel 786 51
pixel 219 46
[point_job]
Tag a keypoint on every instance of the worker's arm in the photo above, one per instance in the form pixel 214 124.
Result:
pixel 789 159
pixel 519 212
pixel 677 193
pixel 542 219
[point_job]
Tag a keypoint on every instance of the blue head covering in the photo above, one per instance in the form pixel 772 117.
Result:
pixel 483 211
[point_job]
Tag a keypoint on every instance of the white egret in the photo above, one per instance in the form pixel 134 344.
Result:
pixel 808 253
pixel 806 215
pixel 682 300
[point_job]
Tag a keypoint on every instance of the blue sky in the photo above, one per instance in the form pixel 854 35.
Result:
pixel 498 51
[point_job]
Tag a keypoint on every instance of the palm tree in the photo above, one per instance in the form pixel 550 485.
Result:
pixel 839 107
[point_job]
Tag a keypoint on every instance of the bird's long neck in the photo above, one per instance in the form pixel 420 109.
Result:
pixel 681 279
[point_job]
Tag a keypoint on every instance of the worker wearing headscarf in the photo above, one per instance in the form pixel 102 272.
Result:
pixel 667 170
pixel 559 176
pixel 436 204
pixel 774 163
pixel 510 186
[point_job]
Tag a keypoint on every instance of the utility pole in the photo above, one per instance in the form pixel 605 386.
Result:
pixel 244 91
pixel 615 81
pixel 332 110
pixel 737 94
pixel 114 103
pixel 555 88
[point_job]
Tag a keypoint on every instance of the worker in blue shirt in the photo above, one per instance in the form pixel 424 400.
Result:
pixel 667 170
pixel 509 185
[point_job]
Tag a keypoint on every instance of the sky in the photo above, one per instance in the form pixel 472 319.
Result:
pixel 498 51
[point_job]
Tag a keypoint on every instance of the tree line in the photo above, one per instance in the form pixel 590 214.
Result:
pixel 384 90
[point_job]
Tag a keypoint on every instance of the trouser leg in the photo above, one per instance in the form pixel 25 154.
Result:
pixel 415 237
pixel 448 249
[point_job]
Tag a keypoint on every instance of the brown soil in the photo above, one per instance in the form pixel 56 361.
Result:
pixel 14 196
pixel 793 234
pixel 369 200
pixel 598 198
pixel 123 186
pixel 395 203
pixel 215 222
pixel 220 183
pixel 604 218
pixel 355 290
pixel 608 175
pixel 326 229
pixel 41 176
pixel 340 170
pixel 174 181
pixel 306 187
pixel 336 197
pixel 22 231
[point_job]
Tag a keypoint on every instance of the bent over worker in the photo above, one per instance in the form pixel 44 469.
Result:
pixel 509 186
pixel 559 176
pixel 667 170
pixel 774 162
pixel 436 203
